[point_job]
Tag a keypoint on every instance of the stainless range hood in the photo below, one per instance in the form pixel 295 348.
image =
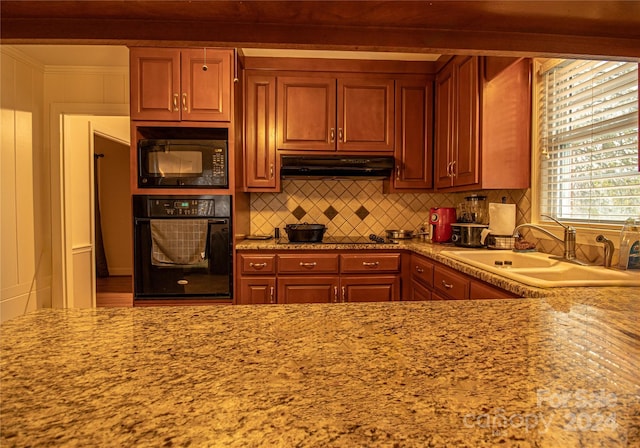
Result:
pixel 336 167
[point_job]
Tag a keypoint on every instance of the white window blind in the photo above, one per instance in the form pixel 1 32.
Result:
pixel 589 141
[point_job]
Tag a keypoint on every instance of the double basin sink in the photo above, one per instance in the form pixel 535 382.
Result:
pixel 540 270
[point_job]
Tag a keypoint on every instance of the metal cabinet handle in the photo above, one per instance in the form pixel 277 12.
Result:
pixel 258 265
pixel 453 169
pixel 370 263
pixel 340 135
pixel 398 172
pixel 175 102
pixel 332 135
pixel 271 295
pixel 344 294
pixel 419 269
pixel 308 265
pixel 449 165
pixel 271 171
pixel 447 285
pixel 184 102
pixel 335 294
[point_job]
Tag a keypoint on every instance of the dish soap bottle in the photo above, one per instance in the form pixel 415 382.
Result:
pixel 630 245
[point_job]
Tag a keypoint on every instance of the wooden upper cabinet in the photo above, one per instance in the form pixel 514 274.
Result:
pixel 465 160
pixel 260 168
pixel 414 123
pixel 306 113
pixel 173 85
pixel 206 94
pixel 317 113
pixel 456 151
pixel 155 84
pixel 483 124
pixel 365 114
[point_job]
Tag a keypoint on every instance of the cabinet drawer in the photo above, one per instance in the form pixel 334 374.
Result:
pixel 257 264
pixel 359 263
pixel 421 270
pixel 309 263
pixel 450 283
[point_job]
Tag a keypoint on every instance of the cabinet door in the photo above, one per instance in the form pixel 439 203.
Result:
pixel 308 289
pixel 260 142
pixel 256 290
pixel 444 122
pixel 465 168
pixel 418 292
pixel 306 108
pixel 206 94
pixel 414 123
pixel 370 288
pixel 365 115
pixel 155 84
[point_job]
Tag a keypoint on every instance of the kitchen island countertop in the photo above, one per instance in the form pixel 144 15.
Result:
pixel 554 371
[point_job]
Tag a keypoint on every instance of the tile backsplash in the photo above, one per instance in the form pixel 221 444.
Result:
pixel 350 207
pixel 360 208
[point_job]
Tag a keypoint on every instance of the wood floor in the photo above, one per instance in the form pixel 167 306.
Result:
pixel 114 291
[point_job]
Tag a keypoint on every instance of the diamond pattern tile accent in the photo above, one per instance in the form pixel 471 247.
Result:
pixel 299 213
pixel 362 212
pixel 330 212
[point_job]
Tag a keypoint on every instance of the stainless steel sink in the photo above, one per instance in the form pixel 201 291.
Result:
pixel 538 269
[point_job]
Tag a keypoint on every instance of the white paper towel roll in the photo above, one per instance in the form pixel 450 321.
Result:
pixel 502 218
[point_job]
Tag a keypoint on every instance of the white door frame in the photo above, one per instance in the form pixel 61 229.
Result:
pixel 59 226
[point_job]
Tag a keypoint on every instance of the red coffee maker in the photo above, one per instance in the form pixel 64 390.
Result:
pixel 440 220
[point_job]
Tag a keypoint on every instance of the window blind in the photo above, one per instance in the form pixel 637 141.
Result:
pixel 588 115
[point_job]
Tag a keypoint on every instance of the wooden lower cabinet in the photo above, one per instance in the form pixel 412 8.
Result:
pixel 430 280
pixel 257 290
pixel 313 277
pixel 418 292
pixel 307 289
pixel 369 289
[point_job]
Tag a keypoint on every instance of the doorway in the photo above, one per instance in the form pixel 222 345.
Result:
pixel 113 234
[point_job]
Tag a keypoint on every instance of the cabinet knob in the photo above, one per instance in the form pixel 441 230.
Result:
pixel 447 285
pixel 175 102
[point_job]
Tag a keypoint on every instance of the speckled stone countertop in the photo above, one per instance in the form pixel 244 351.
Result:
pixel 435 252
pixel 546 372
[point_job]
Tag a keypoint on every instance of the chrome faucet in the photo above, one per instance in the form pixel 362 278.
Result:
pixel 569 241
pixel 608 249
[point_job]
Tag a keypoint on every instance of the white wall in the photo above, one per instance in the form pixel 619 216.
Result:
pixel 25 244
pixel 29 92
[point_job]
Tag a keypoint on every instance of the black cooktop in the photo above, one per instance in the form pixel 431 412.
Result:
pixel 345 240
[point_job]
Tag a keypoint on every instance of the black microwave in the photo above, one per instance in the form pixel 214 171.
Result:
pixel 183 163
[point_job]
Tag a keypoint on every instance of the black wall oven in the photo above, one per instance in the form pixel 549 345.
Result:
pixel 182 163
pixel 182 248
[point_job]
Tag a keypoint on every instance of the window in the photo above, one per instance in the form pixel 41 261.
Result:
pixel 588 124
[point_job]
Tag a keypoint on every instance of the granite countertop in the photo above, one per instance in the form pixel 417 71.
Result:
pixel 546 372
pixel 435 252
